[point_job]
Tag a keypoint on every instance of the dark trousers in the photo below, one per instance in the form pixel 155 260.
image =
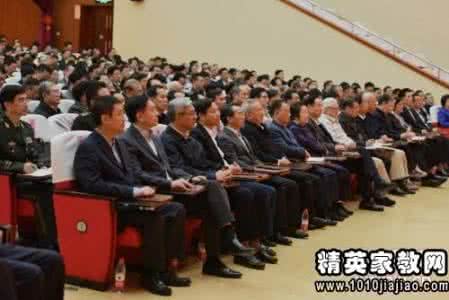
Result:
pixel 311 190
pixel 215 210
pixel 30 274
pixel 344 181
pixel 42 194
pixel 329 193
pixel 264 205
pixel 246 217
pixel 288 203
pixel 366 181
pixel 163 234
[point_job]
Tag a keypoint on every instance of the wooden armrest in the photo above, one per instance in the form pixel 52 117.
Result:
pixel 84 195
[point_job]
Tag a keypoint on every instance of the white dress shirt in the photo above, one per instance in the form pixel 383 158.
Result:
pixel 335 130
pixel 213 134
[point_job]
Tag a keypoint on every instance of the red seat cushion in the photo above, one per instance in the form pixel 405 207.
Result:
pixel 130 237
pixel 26 208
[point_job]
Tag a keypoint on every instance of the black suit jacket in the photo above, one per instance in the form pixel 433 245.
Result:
pixel 354 129
pixel 186 154
pixel 380 124
pixel 97 170
pixel 411 117
pixel 151 168
pixel 235 151
pixel 45 110
pixel 260 139
pixel 323 136
pixel 212 156
pixel 84 121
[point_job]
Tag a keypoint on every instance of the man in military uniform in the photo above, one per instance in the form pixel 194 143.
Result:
pixel 21 153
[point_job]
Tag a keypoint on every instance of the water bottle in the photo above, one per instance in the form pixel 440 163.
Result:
pixel 305 220
pixel 120 276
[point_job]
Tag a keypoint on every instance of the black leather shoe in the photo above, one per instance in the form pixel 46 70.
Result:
pixel 370 206
pixel 269 251
pixel 236 248
pixel 347 211
pixel 398 192
pixel 172 279
pixel 263 256
pixel 269 243
pixel 432 182
pixel 155 285
pixel 314 227
pixel 330 222
pixel 403 186
pixel 385 201
pixel 335 217
pixel 216 268
pixel 251 262
pixel 384 186
pixel 342 212
pixel 319 222
pixel 298 234
pixel 281 240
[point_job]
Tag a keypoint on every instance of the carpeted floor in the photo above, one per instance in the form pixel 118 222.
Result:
pixel 420 221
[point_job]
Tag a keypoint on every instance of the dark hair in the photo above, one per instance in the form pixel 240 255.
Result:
pixel 385 98
pixel 9 92
pixel 29 82
pixel 135 105
pixel 289 94
pixel 91 89
pixel 76 75
pixel 103 106
pixel 112 69
pixel 444 99
pixel 295 109
pixel 386 88
pixel 369 85
pixel 276 106
pixel 310 98
pixel 152 91
pixel 346 103
pixel 278 71
pixel 227 112
pixel 402 93
pixel 202 105
pixel 178 76
pixel 214 92
pixel 27 69
pixel 257 92
pixel 263 77
pixel 196 76
pixel 44 68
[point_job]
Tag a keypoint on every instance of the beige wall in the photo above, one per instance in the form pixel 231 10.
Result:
pixel 259 34
pixel 417 25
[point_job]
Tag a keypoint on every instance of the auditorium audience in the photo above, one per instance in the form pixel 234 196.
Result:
pixel 233 122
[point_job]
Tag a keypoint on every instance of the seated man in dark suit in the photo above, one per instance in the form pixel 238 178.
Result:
pixel 261 142
pixel 158 95
pixel 153 168
pixel 364 167
pixel 50 96
pixel 103 166
pixel 186 153
pixel 205 132
pixel 284 139
pixel 237 149
pixel 380 122
pixel 90 90
pixel 30 274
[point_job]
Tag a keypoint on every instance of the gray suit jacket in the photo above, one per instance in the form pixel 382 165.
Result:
pixel 235 151
pixel 152 168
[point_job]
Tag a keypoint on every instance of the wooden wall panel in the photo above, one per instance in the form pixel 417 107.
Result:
pixel 20 19
pixel 66 27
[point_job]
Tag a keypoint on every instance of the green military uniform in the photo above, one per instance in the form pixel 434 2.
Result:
pixel 18 146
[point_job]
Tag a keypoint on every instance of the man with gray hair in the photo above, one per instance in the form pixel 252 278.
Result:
pixel 131 88
pixel 50 96
pixel 187 154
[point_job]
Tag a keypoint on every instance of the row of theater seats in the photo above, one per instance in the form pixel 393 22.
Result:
pixel 86 224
